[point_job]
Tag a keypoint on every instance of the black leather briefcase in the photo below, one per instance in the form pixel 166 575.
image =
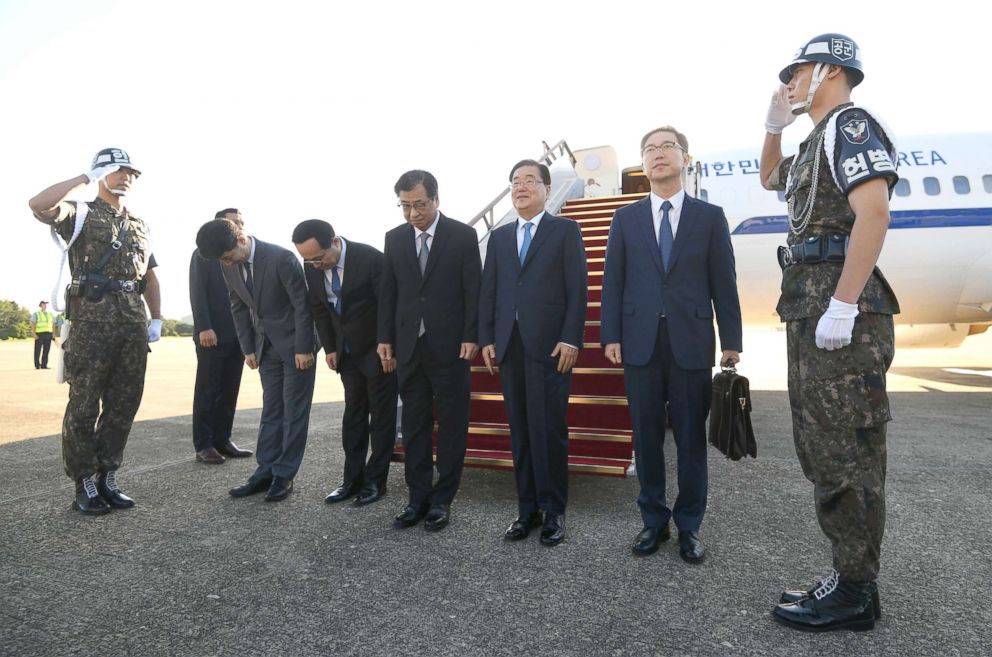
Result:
pixel 730 416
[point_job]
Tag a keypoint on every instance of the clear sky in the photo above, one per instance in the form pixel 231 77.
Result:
pixel 294 110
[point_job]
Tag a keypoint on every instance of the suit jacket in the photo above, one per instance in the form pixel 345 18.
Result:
pixel 546 296
pixel 446 296
pixel 278 312
pixel 209 299
pixel 701 277
pixel 358 321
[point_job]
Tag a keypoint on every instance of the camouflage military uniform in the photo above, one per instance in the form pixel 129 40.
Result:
pixel 839 403
pixel 107 348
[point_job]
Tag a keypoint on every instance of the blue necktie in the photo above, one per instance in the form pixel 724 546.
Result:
pixel 665 236
pixel 248 281
pixel 526 244
pixel 336 289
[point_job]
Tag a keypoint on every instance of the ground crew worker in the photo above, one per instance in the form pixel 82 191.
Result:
pixel 838 311
pixel 42 325
pixel 105 353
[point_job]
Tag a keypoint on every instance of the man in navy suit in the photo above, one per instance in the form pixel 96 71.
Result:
pixel 343 280
pixel 531 322
pixel 275 329
pixel 429 319
pixel 669 264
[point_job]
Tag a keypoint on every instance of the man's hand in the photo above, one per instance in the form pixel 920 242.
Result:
pixel 469 350
pixel 566 356
pixel 155 330
pixel 100 173
pixel 332 360
pixel 612 353
pixel 780 113
pixel 385 351
pixel 208 338
pixel 836 326
pixel 489 356
pixel 730 358
pixel 304 361
pixel 251 361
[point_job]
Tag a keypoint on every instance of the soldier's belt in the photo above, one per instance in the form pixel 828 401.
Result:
pixel 831 247
pixel 135 287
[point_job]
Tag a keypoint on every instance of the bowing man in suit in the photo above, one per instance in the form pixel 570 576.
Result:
pixel 669 264
pixel 429 321
pixel 219 361
pixel 275 329
pixel 531 322
pixel 343 279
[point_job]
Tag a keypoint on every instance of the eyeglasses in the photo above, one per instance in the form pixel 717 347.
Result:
pixel 419 206
pixel 316 262
pixel 666 147
pixel 529 183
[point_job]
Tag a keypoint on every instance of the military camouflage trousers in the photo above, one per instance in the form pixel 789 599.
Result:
pixel 839 413
pixel 105 369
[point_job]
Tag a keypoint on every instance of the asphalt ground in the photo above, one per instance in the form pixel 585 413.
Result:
pixel 192 571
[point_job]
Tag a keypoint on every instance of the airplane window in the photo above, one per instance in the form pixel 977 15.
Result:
pixel 961 185
pixel 704 195
pixel 902 187
pixel 781 195
pixel 987 182
pixel 931 186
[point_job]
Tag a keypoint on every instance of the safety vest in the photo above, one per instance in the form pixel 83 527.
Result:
pixel 43 322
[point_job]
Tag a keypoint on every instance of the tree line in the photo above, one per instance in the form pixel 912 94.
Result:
pixel 15 322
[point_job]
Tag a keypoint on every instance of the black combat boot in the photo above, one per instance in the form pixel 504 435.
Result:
pixel 111 493
pixel 88 500
pixel 836 604
pixel 795 595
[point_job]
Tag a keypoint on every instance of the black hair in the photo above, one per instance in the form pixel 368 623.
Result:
pixel 679 137
pixel 226 211
pixel 543 168
pixel 411 179
pixel 317 229
pixel 215 238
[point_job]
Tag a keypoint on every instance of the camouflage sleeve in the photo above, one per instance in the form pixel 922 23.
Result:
pixel 861 152
pixel 780 174
pixel 64 221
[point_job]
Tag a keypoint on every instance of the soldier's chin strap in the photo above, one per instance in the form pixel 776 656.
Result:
pixel 115 192
pixel 819 72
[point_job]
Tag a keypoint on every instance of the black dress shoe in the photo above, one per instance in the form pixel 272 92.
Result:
pixel 279 490
pixel 231 450
pixel 111 492
pixel 649 539
pixel 795 595
pixel 520 528
pixel 210 456
pixel 837 604
pixel 410 516
pixel 437 518
pixel 691 547
pixel 343 492
pixel 553 531
pixel 88 500
pixel 253 486
pixel 370 493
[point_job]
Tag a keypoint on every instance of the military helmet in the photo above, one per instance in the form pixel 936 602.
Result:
pixel 117 156
pixel 829 49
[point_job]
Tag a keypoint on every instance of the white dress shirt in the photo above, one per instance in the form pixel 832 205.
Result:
pixel 521 222
pixel 430 234
pixel 331 297
pixel 677 200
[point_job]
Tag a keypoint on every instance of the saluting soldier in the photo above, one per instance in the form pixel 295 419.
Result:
pixel 838 311
pixel 111 264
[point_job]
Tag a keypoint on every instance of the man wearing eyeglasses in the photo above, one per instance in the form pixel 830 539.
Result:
pixel 343 280
pixel 669 265
pixel 531 322
pixel 428 322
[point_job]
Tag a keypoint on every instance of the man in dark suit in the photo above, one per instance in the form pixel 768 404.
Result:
pixel 669 264
pixel 343 280
pixel 531 322
pixel 219 361
pixel 272 317
pixel 429 318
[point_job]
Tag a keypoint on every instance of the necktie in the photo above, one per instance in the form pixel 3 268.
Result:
pixel 424 251
pixel 665 236
pixel 526 244
pixel 248 280
pixel 336 289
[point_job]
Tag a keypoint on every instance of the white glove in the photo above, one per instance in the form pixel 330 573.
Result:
pixel 779 112
pixel 835 327
pixel 100 173
pixel 155 331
